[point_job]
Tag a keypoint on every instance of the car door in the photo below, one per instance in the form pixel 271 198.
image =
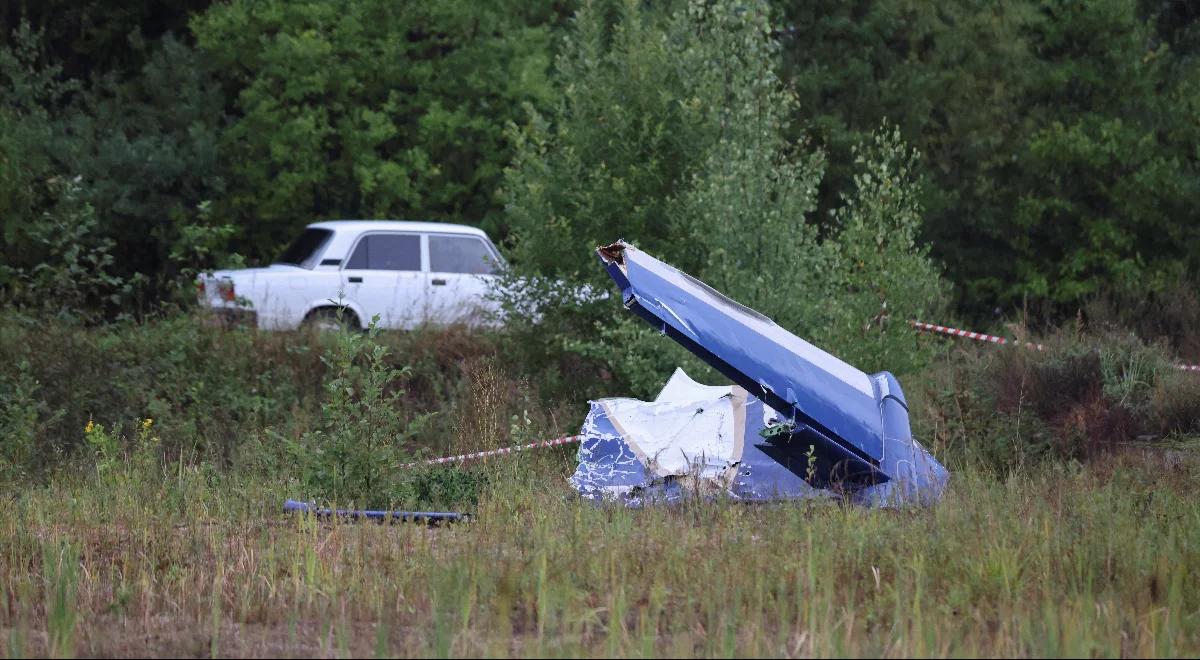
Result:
pixel 384 276
pixel 461 267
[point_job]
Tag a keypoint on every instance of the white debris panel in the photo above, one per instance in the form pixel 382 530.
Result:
pixel 706 440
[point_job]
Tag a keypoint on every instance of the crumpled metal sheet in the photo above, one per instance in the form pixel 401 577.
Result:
pixel 699 440
pixel 847 432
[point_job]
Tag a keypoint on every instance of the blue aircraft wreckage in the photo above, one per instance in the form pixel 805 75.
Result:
pixel 796 423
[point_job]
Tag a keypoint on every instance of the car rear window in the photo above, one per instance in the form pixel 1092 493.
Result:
pixel 460 254
pixel 387 252
pixel 306 248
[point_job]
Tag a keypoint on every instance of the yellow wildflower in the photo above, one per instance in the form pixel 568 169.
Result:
pixel 90 426
pixel 147 423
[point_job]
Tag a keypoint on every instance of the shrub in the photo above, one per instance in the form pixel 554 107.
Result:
pixel 1085 394
pixel 364 436
pixel 226 396
pixel 20 415
pixel 1171 315
pixel 1175 404
pixel 76 279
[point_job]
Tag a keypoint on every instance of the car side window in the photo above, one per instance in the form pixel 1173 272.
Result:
pixel 387 252
pixel 460 254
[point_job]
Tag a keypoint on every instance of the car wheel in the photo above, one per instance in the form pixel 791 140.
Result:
pixel 330 319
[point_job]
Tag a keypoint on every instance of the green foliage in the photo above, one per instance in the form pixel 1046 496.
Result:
pixel 634 355
pixel 743 213
pixel 707 180
pixel 369 109
pixel 441 486
pixel 106 447
pixel 60 568
pixel 146 150
pixel 1085 394
pixel 123 460
pixel 19 416
pixel 132 401
pixel 102 186
pixel 629 130
pixel 1059 137
pixel 198 383
pixel 882 276
pixel 355 454
pixel 75 278
pixel 27 94
pixel 629 127
pixel 95 37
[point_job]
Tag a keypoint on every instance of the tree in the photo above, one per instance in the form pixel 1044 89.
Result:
pixel 135 156
pixel 87 38
pixel 369 109
pixel 672 132
pixel 1110 172
pixel 1057 135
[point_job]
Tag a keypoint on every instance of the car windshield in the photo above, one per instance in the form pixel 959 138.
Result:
pixel 303 251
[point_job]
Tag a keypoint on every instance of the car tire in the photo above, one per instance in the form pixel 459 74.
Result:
pixel 325 319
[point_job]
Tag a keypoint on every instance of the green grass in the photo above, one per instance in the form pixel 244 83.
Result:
pixel 1100 559
pixel 1064 531
pixel 61 570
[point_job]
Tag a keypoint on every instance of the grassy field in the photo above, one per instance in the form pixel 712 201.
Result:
pixel 1101 559
pixel 1071 527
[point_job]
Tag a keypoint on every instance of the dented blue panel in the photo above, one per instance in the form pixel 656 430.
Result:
pixel 613 468
pixel 608 466
pixel 772 470
pixel 838 404
pixel 714 441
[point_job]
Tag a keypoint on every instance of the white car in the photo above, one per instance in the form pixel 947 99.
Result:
pixel 406 273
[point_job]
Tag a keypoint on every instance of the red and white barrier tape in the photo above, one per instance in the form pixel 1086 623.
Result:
pixel 565 440
pixel 570 439
pixel 979 336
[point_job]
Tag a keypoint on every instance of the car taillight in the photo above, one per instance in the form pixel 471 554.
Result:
pixel 225 289
pixel 200 291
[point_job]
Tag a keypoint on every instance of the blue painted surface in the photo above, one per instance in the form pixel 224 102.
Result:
pixel 777 469
pixel 772 470
pixel 606 461
pixel 791 375
pixel 851 429
pixel 294 506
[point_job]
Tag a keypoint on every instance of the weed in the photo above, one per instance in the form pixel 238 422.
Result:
pixel 19 419
pixel 106 448
pixel 365 431
pixel 60 565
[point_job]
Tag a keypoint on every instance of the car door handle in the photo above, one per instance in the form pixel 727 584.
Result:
pixel 356 280
pixel 439 282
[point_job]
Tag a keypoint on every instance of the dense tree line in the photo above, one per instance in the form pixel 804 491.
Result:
pixel 1059 140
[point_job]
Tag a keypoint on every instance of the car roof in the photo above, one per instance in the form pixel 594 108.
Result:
pixel 398 225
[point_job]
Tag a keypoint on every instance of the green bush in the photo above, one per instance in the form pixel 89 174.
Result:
pixel 105 181
pixel 365 437
pixel 21 413
pixel 1085 394
pixel 1061 157
pixel 233 396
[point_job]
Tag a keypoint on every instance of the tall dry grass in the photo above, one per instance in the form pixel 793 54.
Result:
pixel 1059 559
